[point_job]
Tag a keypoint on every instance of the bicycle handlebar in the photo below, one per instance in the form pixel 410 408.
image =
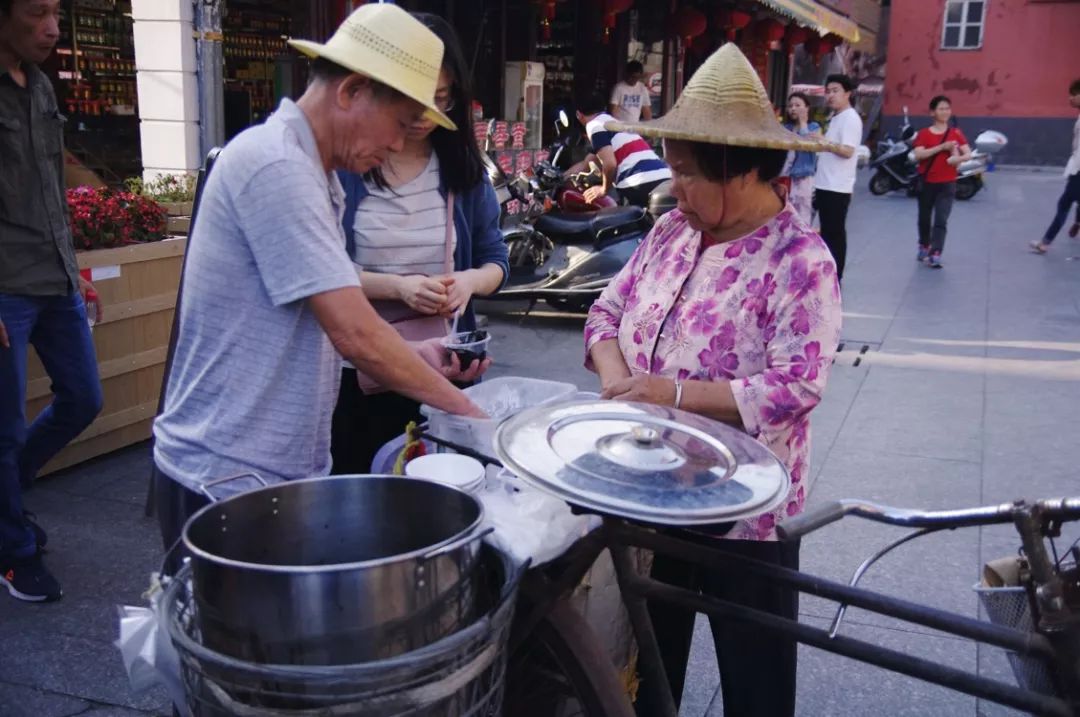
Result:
pixel 822 515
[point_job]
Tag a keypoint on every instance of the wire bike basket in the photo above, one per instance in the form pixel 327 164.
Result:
pixel 1008 603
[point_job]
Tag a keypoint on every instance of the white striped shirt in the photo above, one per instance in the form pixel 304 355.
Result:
pixel 402 230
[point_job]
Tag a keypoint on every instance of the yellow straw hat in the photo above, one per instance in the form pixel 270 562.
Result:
pixel 724 103
pixel 389 45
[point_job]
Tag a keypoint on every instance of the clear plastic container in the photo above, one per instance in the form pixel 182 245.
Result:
pixel 467 347
pixel 500 398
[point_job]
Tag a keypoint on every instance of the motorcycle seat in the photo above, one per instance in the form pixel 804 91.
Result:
pixel 563 228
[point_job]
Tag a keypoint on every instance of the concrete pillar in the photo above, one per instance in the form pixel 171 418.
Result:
pixel 167 85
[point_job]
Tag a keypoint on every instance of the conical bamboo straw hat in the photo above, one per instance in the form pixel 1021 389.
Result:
pixel 724 103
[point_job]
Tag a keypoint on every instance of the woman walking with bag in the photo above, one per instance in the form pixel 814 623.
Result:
pixel 939 150
pixel 424 227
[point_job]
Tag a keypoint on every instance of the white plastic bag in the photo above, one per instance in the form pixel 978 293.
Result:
pixel 529 524
pixel 148 654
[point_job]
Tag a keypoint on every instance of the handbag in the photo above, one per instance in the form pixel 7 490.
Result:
pixel 412 325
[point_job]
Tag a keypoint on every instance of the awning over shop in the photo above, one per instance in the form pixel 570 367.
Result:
pixel 808 12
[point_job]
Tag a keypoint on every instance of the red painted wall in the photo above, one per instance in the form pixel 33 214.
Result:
pixel 1030 54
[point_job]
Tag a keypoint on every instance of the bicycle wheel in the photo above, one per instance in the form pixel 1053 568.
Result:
pixel 560 671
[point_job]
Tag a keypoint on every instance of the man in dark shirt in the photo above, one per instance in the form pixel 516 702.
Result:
pixel 41 293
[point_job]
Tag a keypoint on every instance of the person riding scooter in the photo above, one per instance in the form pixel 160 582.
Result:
pixel 628 163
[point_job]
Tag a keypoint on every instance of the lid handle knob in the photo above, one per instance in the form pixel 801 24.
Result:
pixel 644 436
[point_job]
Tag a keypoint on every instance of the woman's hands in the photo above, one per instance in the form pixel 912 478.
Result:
pixel 460 291
pixel 448 294
pixel 643 388
pixel 425 294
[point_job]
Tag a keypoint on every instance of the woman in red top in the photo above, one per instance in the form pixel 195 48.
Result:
pixel 939 150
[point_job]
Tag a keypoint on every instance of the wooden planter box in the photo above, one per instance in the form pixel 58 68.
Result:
pixel 179 221
pixel 137 286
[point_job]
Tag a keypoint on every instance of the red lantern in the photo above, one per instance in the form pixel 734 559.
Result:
pixel 731 21
pixel 688 24
pixel 794 35
pixel 547 14
pixel 770 30
pixel 817 47
pixel 611 9
pixel 830 42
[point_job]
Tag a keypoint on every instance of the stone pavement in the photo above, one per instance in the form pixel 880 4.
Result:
pixel 965 395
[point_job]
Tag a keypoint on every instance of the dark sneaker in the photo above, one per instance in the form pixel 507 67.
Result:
pixel 1074 230
pixel 40 536
pixel 934 262
pixel 28 579
pixel 924 251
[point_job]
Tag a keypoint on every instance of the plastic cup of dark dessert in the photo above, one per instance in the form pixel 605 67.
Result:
pixel 469 346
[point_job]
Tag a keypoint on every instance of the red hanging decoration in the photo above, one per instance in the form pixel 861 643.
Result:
pixel 611 9
pixel 688 23
pixel 817 47
pixel 770 30
pixel 731 21
pixel 794 35
pixel 547 14
pixel 830 42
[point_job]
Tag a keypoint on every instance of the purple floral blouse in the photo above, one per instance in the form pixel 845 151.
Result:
pixel 762 312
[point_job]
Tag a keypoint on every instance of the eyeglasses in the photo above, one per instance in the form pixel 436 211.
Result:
pixel 445 102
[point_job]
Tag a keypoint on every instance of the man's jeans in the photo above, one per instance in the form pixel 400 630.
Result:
pixel 56 327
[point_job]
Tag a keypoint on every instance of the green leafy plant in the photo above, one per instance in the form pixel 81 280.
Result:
pixel 165 188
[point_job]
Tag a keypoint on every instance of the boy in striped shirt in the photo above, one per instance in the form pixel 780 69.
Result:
pixel 628 163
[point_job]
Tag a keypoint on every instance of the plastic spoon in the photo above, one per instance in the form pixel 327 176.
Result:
pixel 453 329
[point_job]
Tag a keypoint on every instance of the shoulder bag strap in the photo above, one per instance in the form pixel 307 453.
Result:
pixel 944 139
pixel 449 262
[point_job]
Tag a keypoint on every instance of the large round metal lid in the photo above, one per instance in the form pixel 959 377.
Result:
pixel 643 462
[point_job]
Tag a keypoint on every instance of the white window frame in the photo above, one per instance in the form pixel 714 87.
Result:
pixel 963 25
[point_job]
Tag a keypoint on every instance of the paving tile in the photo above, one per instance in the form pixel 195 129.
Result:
pixel 82 668
pixel 937 569
pixel 834 685
pixel 87 478
pixel 920 413
pixel 23 701
pixel 121 712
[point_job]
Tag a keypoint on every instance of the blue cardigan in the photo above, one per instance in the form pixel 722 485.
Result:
pixel 476 217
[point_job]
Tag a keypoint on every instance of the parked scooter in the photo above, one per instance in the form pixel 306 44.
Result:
pixel 970 181
pixel 567 258
pixel 894 167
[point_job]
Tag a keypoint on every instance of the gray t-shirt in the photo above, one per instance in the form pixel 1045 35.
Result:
pixel 255 379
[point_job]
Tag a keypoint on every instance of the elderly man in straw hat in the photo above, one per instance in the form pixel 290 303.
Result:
pixel 730 308
pixel 272 300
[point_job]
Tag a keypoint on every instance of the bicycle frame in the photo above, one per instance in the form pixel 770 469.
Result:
pixel 636 590
pixel 1058 639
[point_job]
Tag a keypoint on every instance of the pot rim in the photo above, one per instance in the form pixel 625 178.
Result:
pixel 468 535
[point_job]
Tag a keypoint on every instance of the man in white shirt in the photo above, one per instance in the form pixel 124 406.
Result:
pixel 630 100
pixel 834 180
pixel 1071 195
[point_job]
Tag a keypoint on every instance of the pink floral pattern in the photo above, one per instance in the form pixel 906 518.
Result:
pixel 762 312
